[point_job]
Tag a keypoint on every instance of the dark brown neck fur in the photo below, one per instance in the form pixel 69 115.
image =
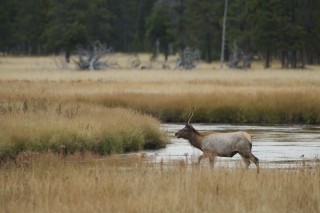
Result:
pixel 196 139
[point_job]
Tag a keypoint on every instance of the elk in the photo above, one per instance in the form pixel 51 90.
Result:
pixel 214 144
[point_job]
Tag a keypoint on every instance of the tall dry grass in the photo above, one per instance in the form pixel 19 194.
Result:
pixel 42 126
pixel 233 107
pixel 44 109
pixel 129 185
pixel 228 96
pixel 279 106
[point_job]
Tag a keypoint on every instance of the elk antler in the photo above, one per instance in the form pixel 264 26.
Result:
pixel 190 116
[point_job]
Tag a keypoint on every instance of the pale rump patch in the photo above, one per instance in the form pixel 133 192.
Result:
pixel 248 136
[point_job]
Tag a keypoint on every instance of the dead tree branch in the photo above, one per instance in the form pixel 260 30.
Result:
pixel 91 59
pixel 187 59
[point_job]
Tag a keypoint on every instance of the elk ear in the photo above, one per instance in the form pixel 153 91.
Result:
pixel 190 116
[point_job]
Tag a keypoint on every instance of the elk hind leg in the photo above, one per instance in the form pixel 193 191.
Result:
pixel 246 160
pixel 255 160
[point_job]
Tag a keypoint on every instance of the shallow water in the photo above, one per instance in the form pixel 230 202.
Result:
pixel 275 146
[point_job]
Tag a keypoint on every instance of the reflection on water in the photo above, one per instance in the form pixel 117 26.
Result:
pixel 275 146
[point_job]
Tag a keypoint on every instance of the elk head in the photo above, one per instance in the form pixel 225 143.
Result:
pixel 188 131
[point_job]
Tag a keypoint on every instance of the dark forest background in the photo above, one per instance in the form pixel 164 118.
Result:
pixel 286 30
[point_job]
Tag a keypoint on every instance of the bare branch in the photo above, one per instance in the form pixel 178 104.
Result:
pixel 90 59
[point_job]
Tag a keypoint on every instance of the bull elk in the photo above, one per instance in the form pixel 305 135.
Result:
pixel 214 144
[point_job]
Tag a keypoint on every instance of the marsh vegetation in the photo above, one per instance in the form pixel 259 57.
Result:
pixel 255 96
pixel 130 184
pixel 58 126
pixel 38 125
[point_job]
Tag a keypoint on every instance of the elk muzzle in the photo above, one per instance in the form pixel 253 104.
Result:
pixel 177 135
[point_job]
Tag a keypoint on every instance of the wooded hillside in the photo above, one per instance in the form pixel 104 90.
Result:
pixel 286 30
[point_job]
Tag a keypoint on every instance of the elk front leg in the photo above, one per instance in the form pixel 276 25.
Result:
pixel 200 158
pixel 211 159
pixel 205 155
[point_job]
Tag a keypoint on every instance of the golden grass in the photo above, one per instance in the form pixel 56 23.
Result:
pixel 121 184
pixel 43 107
pixel 43 69
pixel 25 76
pixel 42 126
pixel 253 96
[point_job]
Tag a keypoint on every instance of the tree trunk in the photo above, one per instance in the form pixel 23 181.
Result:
pixel 302 58
pixel 293 59
pixel 284 60
pixel 267 60
pixel 67 56
pixel 166 52
pixel 309 57
pixel 223 40
pixel 181 28
pixel 209 51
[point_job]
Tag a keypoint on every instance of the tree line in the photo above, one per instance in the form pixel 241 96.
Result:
pixel 268 29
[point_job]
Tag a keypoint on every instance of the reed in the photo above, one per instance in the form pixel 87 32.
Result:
pixel 131 185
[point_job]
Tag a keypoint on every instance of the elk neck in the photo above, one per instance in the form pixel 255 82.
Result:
pixel 196 139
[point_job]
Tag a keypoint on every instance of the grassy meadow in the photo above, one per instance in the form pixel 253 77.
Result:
pixel 44 106
pixel 133 184
pixel 58 124
pixel 259 96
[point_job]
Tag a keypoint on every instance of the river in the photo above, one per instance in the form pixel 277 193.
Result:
pixel 283 146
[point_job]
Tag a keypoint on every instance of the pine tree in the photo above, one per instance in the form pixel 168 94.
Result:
pixel 264 33
pixel 30 23
pixel 7 26
pixel 240 30
pixel 76 22
pixel 204 20
pixel 159 29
